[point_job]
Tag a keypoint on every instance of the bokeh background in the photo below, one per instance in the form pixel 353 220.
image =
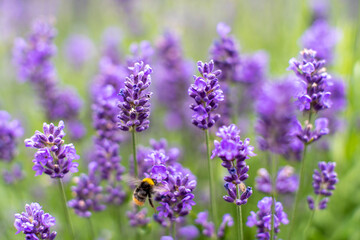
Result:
pixel 272 26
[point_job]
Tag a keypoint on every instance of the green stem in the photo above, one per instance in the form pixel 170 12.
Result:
pixel 240 231
pixel 297 197
pixel 92 231
pixel 66 209
pixel 173 230
pixel 211 180
pixel 134 152
pixel 311 217
pixel 273 193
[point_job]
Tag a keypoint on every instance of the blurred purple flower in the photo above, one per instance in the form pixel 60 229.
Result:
pixel 138 217
pixel 322 38
pixel 141 52
pixel 78 50
pixel 188 232
pixel 87 195
pixel 173 73
pixel 10 131
pixel 276 116
pixel 13 175
pixel 208 228
pixel 225 53
pixel 286 181
pixel 34 223
pixel 32 58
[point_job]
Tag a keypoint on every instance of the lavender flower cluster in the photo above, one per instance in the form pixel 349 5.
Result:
pixel 87 194
pixel 208 228
pixel 135 100
pixel 32 58
pixel 286 181
pixel 233 152
pixel 313 80
pixel 276 117
pixel 176 200
pixel 262 218
pixel 207 94
pixel 324 182
pixel 35 223
pixel 10 131
pixel 53 157
pixel 173 75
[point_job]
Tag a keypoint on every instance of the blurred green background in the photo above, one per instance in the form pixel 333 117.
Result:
pixel 274 26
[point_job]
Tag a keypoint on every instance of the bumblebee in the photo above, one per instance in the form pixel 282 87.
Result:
pixel 146 189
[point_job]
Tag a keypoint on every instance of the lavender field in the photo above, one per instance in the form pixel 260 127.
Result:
pixel 131 119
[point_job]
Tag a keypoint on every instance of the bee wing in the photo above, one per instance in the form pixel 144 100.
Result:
pixel 160 189
pixel 131 181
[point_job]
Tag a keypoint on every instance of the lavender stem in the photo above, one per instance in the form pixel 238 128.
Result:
pixel 92 231
pixel 297 197
pixel 273 193
pixel 211 180
pixel 134 151
pixel 173 229
pixel 240 231
pixel 67 214
pixel 311 216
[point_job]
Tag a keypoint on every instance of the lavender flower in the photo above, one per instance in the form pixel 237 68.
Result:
pixel 177 202
pixel 111 39
pixel 208 228
pixel 189 232
pixel 138 218
pixel 78 50
pixel 177 199
pixel 207 94
pixel 262 218
pixel 225 53
pixel 233 152
pixel 173 75
pixel 324 182
pixel 338 98
pixel 134 104
pixel 276 117
pixel 34 223
pixel 286 181
pixel 145 156
pixel 307 135
pixel 141 52
pixel 105 98
pixel 227 221
pixel 313 80
pixel 13 175
pixel 322 38
pixel 32 58
pixel 10 131
pixel 87 194
pixel 53 157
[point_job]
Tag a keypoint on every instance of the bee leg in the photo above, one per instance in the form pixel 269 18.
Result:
pixel 151 203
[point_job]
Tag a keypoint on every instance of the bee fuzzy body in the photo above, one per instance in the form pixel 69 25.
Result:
pixel 144 191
